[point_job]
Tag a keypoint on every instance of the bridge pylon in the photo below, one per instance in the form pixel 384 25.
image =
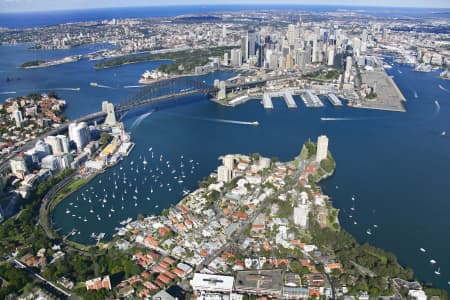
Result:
pixel 110 111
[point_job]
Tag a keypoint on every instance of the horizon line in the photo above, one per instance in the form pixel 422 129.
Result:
pixel 250 4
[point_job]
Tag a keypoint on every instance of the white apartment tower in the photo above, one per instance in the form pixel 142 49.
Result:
pixel 17 116
pixel 79 134
pixel 224 174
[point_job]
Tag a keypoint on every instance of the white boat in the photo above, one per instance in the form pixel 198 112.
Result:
pixel 438 271
pixel 432 261
pixel 368 231
pixel 67 211
pixel 375 225
pixel 443 133
pixel 422 250
pixel 355 223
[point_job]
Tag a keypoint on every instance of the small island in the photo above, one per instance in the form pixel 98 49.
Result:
pixel 44 63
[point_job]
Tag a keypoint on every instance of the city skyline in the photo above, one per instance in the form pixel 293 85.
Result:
pixel 11 6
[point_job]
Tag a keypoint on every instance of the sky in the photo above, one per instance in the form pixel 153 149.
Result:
pixel 48 5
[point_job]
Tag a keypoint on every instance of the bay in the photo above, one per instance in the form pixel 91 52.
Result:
pixel 396 164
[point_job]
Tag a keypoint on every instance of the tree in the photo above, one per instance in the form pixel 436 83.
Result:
pixel 52 94
pixel 105 138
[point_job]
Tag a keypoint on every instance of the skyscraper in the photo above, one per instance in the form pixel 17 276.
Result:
pixel 348 68
pixel 291 34
pixel 223 174
pixel 322 148
pixel 252 38
pixel 244 47
pixel 79 134
pixel 17 116
pixel 58 144
pixel 19 166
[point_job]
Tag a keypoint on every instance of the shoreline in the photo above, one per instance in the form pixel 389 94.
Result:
pixel 130 63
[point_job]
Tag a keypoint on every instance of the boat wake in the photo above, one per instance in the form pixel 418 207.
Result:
pixel 438 106
pixel 132 86
pixel 141 118
pixel 60 89
pixel 443 88
pixel 236 122
pixel 7 93
pixel 229 121
pixel 416 95
pixel 341 119
pixel 104 86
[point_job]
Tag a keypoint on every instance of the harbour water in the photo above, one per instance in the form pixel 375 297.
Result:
pixel 396 164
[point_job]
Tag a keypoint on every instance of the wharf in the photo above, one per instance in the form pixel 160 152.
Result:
pixel 334 100
pixel 389 97
pixel 286 95
pixel 267 101
pixel 310 99
pixel 290 102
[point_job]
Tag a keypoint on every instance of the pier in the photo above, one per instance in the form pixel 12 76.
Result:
pixel 310 99
pixel 334 100
pixel 286 95
pixel 267 101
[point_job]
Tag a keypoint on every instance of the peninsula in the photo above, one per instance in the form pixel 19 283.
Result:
pixel 44 63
